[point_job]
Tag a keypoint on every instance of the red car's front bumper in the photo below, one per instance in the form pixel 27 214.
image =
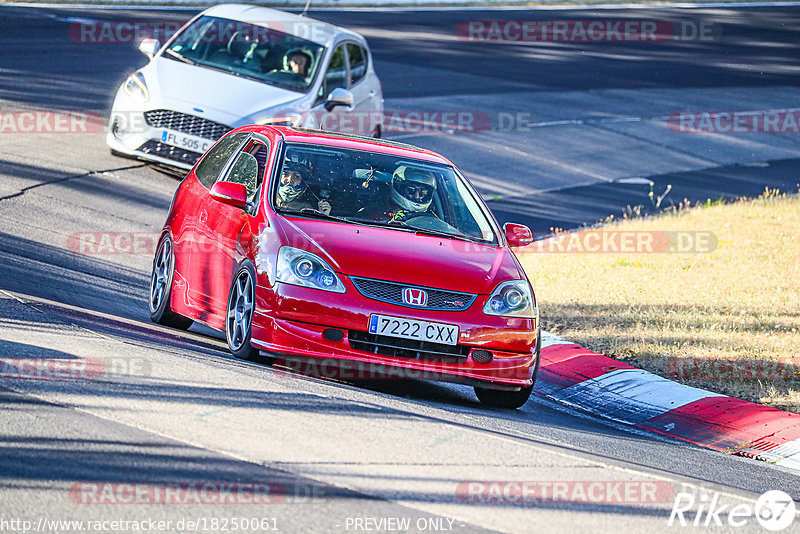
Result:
pixel 292 321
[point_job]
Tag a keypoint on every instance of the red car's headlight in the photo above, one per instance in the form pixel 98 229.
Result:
pixel 511 299
pixel 301 268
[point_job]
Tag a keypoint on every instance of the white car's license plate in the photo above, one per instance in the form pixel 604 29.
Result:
pixel 386 325
pixel 185 141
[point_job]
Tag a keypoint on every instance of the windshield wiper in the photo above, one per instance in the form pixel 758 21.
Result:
pixel 314 213
pixel 437 233
pixel 424 231
pixel 179 56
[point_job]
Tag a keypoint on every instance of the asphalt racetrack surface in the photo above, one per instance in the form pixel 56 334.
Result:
pixel 588 138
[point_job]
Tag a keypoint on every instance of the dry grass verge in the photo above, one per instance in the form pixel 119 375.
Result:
pixel 726 319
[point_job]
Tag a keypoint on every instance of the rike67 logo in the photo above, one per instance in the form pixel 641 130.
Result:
pixel 774 511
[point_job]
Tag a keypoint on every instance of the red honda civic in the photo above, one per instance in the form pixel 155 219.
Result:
pixel 364 253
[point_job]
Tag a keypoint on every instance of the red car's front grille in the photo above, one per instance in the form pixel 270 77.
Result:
pixel 406 348
pixel 392 292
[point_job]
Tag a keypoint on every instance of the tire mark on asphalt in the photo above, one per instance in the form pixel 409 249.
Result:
pixel 71 177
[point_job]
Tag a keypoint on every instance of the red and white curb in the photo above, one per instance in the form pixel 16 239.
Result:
pixel 591 382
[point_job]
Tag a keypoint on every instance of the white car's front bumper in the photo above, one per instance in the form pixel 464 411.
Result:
pixel 168 137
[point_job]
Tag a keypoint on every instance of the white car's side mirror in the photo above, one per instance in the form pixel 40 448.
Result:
pixel 339 97
pixel 149 47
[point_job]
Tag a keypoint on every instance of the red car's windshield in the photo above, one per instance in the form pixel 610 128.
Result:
pixel 364 187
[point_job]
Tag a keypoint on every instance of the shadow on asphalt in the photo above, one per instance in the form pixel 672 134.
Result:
pixel 579 206
pixel 75 467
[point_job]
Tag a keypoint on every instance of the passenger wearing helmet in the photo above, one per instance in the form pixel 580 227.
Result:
pixel 293 191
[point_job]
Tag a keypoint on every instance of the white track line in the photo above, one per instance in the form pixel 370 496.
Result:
pixel 521 7
pixel 630 395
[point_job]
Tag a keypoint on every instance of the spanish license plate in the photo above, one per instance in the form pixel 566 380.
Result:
pixel 386 325
pixel 185 141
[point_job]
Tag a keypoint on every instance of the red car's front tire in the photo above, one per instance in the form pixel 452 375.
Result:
pixel 503 399
pixel 511 399
pixel 239 312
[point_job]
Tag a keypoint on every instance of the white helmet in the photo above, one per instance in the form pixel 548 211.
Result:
pixel 413 188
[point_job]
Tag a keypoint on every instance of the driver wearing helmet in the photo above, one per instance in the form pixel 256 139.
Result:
pixel 412 192
pixel 293 191
pixel 411 195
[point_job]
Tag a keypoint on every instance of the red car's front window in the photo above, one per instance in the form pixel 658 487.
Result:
pixel 359 186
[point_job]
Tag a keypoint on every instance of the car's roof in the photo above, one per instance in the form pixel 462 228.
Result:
pixel 306 28
pixel 383 146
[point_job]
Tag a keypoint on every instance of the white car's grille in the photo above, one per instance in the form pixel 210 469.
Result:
pixel 169 152
pixel 182 122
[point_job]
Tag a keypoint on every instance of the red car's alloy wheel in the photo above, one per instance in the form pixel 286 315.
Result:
pixel 239 315
pixel 161 288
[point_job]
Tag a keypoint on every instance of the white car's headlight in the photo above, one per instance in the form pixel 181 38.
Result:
pixel 511 299
pixel 136 87
pixel 283 120
pixel 278 122
pixel 301 268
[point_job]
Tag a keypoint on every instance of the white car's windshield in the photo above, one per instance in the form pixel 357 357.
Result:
pixel 364 187
pixel 248 50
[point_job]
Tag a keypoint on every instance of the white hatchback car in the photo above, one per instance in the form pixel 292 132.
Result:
pixel 234 65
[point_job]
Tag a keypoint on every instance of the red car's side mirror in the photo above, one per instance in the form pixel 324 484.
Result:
pixel 517 235
pixel 230 193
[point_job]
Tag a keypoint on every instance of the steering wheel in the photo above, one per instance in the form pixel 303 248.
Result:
pixel 285 76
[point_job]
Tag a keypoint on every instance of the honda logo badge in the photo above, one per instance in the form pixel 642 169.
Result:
pixel 415 297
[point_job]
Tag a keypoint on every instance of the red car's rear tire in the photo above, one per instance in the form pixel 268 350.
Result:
pixel 161 288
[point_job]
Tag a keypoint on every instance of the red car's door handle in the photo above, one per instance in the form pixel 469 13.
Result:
pixel 203 216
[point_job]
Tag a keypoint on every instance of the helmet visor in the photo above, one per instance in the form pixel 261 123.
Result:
pixel 415 192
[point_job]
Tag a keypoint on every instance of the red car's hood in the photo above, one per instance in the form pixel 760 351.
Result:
pixel 395 255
